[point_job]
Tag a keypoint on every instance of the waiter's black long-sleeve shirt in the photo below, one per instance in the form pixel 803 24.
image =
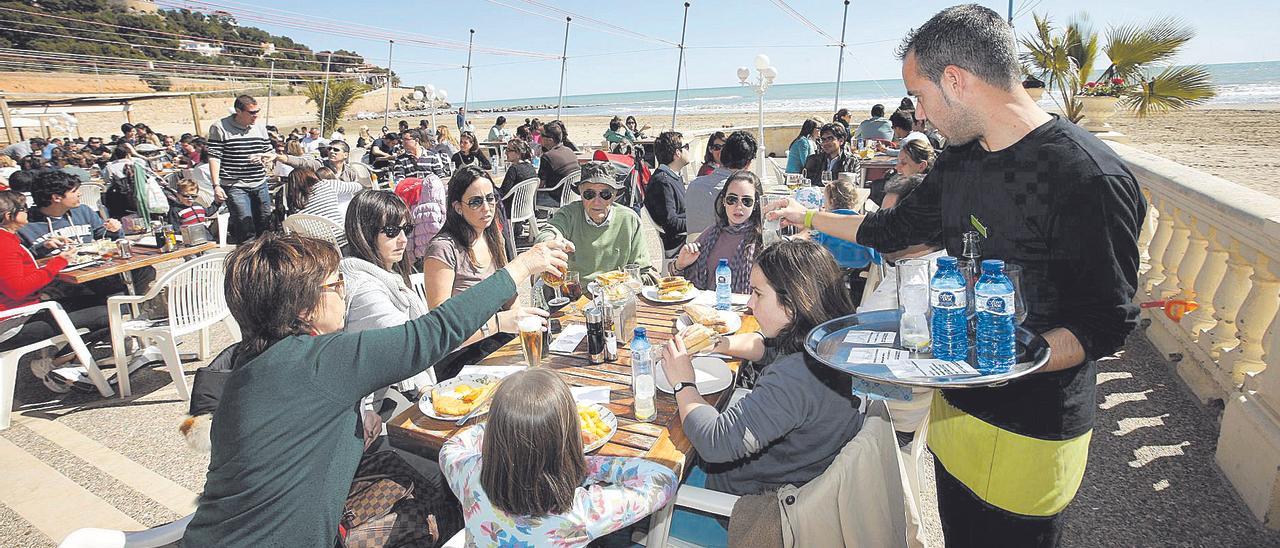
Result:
pixel 1060 203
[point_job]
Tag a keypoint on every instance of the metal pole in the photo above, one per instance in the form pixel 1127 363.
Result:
pixel 840 64
pixel 760 167
pixel 675 105
pixel 324 103
pixel 466 90
pixel 386 109
pixel 271 77
pixel 564 56
pixel 1011 13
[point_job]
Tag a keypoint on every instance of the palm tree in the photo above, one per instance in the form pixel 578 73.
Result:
pixel 1065 61
pixel 342 94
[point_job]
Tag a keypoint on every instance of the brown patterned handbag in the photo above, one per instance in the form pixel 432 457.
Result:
pixel 383 509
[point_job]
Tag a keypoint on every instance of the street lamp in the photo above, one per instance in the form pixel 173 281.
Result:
pixel 764 78
pixel 432 95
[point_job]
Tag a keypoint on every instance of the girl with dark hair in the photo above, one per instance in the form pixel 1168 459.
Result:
pixel 711 159
pixel 470 154
pixel 305 192
pixel 279 474
pixel 535 487
pixel 800 414
pixel 803 145
pixel 736 236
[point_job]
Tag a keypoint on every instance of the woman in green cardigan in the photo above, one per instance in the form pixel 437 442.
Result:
pixel 286 437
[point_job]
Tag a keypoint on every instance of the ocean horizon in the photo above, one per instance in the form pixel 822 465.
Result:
pixel 1237 83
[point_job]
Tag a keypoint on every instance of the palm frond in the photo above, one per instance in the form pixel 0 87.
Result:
pixel 1176 88
pixel 1130 47
pixel 342 94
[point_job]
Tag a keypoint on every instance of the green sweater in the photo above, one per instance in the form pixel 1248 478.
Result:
pixel 598 249
pixel 286 439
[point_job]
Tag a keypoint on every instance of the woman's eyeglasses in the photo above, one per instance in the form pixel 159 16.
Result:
pixel 733 199
pixel 591 195
pixel 391 231
pixel 716 146
pixel 339 287
pixel 476 202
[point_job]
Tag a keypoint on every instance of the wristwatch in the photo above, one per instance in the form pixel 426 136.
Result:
pixel 484 329
pixel 681 386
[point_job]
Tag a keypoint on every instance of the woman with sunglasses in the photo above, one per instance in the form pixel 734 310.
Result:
pixel 469 153
pixel 711 160
pixel 469 248
pixel 736 236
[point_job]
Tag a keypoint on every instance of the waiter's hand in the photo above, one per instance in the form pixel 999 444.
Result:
pixel 219 195
pixel 789 211
pixel 111 225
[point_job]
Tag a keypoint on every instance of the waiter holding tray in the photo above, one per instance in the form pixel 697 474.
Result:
pixel 1049 196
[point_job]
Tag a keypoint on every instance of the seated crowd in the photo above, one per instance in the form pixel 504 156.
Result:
pixel 346 321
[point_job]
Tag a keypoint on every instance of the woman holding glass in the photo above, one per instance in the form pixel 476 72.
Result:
pixel 736 236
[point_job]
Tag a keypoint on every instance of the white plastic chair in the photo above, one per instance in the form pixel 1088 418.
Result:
pixel 562 192
pixel 154 537
pixel 9 360
pixel 91 194
pixel 524 198
pixel 314 226
pixel 653 235
pixel 366 178
pixel 877 430
pixel 196 302
pixel 419 282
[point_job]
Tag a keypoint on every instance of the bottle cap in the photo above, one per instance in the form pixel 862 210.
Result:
pixel 992 265
pixel 640 333
pixel 724 262
pixel 946 261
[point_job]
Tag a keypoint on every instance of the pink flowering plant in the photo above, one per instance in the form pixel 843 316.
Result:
pixel 1104 88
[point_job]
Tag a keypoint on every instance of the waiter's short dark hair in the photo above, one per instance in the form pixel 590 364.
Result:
pixel 52 183
pixel 667 145
pixel 902 120
pixel 970 37
pixel 739 150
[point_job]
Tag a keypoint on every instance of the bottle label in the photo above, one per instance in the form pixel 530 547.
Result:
pixel 946 298
pixel 995 304
pixel 722 280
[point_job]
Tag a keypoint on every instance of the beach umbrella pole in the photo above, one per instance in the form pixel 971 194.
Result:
pixel 675 105
pixel 466 89
pixel 386 109
pixel 840 63
pixel 564 56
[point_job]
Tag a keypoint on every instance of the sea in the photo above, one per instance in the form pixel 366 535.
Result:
pixel 1237 83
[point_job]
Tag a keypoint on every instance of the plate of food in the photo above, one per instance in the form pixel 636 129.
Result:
pixel 671 289
pixel 710 374
pixel 723 322
pixel 598 425
pixel 452 399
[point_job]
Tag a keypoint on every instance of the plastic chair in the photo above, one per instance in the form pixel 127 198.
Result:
pixel 876 441
pixel 366 177
pixel 9 360
pixel 561 192
pixel 154 537
pixel 196 302
pixel 420 287
pixel 314 226
pixel 524 198
pixel 653 234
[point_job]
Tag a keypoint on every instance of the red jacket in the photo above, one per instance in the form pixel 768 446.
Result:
pixel 20 279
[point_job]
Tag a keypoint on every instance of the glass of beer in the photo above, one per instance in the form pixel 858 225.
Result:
pixel 573 286
pixel 555 281
pixel 531 339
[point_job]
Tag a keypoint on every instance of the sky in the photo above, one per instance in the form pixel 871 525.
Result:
pixel 722 35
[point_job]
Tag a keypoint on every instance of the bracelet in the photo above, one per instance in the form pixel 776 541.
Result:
pixel 808 218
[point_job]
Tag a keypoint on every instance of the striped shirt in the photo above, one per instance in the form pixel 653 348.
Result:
pixel 407 165
pixel 233 144
pixel 329 199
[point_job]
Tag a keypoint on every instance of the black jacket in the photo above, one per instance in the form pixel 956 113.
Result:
pixel 664 198
pixel 817 163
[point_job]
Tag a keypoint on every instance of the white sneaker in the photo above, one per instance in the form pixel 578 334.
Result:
pixel 60 380
pixel 41 366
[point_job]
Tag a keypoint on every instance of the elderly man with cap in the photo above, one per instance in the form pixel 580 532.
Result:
pixel 606 235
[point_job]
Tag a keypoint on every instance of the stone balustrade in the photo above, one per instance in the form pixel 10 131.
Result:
pixel 1217 243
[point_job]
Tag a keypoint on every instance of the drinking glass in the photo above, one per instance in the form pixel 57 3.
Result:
pixel 913 302
pixel 634 281
pixel 573 286
pixel 531 339
pixel 826 178
pixel 794 181
pixel 772 229
pixel 555 281
pixel 1014 272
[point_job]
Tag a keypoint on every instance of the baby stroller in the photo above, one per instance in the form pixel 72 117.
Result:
pixel 632 173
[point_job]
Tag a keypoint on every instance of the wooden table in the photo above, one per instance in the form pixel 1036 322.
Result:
pixel 662 440
pixel 875 167
pixel 142 257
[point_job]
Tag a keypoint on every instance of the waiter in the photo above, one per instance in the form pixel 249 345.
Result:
pixel 1050 197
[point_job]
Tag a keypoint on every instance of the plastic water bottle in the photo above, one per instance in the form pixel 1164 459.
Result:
pixel 948 298
pixel 724 285
pixel 642 375
pixel 994 295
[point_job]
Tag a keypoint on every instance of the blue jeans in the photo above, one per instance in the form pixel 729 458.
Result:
pixel 250 209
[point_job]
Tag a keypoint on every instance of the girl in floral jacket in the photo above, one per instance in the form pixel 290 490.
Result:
pixel 535 488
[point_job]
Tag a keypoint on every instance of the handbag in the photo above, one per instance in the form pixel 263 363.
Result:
pixel 386 508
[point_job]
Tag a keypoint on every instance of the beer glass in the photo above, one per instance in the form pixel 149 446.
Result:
pixel 913 302
pixel 531 339
pixel 1014 272
pixel 555 280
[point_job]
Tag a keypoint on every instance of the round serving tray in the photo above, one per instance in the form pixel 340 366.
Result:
pixel 826 343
